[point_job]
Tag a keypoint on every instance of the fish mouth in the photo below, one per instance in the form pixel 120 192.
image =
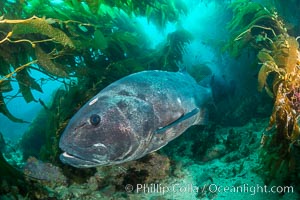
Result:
pixel 79 162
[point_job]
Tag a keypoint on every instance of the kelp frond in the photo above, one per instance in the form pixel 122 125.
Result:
pixel 33 31
pixel 252 24
pixel 36 25
pixel 5 111
pixel 69 39
pixel 175 47
pixel 257 27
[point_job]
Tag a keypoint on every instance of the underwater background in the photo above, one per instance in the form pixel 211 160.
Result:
pixel 56 55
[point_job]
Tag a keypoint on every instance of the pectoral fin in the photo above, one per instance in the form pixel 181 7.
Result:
pixel 177 121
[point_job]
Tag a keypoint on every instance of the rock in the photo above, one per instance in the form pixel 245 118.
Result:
pixel 214 152
pixel 45 172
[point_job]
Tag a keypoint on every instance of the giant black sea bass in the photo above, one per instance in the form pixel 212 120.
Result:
pixel 132 117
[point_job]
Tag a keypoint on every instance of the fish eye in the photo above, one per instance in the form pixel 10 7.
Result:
pixel 95 119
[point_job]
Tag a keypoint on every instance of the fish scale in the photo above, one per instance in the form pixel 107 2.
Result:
pixel 135 115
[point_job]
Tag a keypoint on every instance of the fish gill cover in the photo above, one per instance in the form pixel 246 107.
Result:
pixel 85 45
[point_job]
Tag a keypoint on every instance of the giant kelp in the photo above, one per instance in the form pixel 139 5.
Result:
pixel 85 45
pixel 252 25
pixel 263 31
pixel 70 39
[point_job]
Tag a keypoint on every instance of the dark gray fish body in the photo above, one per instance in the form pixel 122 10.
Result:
pixel 132 117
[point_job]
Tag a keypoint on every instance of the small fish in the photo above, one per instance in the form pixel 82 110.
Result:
pixel 132 117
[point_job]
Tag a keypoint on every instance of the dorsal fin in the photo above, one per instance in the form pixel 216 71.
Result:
pixel 177 121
